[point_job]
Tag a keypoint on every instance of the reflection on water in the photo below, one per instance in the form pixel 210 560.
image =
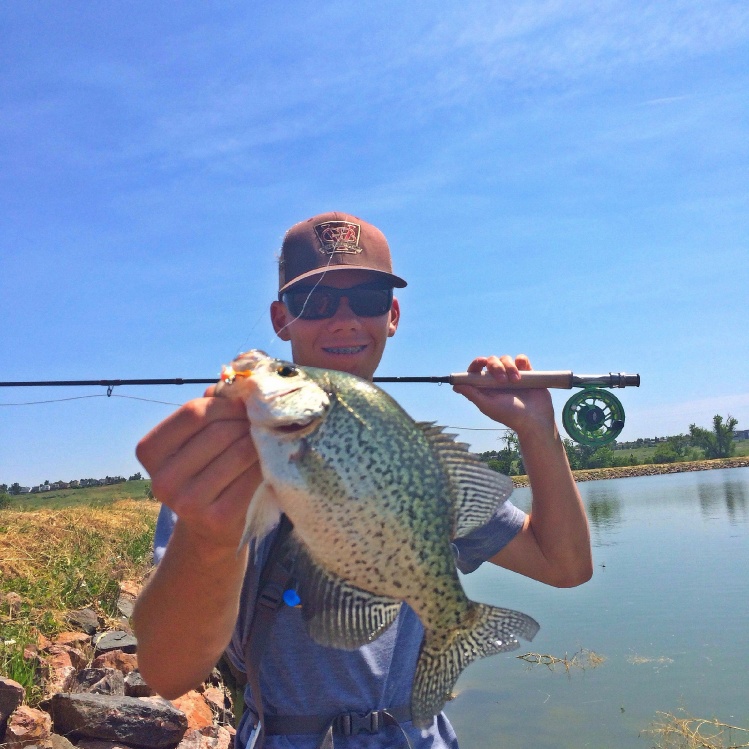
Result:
pixel 604 507
pixel 730 493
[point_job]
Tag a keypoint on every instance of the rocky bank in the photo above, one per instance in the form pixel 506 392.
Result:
pixel 599 474
pixel 94 697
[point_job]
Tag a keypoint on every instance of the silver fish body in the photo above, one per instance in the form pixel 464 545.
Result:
pixel 376 500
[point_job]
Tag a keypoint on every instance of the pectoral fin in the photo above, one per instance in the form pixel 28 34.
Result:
pixel 337 613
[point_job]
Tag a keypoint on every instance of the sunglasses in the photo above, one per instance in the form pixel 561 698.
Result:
pixel 321 302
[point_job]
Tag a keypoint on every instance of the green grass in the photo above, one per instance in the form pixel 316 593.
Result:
pixel 645 454
pixel 63 551
pixel 90 496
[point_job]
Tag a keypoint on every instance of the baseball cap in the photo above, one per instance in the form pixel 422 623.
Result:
pixel 333 242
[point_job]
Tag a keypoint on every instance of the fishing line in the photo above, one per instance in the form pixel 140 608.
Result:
pixel 97 395
pixel 170 403
pixel 304 306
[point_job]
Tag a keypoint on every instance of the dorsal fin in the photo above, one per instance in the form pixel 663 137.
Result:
pixel 479 491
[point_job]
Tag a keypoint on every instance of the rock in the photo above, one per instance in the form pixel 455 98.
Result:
pixel 73 638
pixel 85 620
pixel 27 726
pixel 101 744
pixel 11 697
pixel 131 588
pixel 59 742
pixel 211 737
pixel 197 710
pixel 147 722
pixel 124 662
pixel 135 686
pixel 65 655
pixel 115 640
pixel 125 606
pixel 220 703
pixel 98 681
pixel 61 662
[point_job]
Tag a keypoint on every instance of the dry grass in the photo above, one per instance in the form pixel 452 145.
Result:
pixel 582 659
pixel 56 560
pixel 686 732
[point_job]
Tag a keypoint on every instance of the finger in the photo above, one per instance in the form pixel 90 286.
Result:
pixel 170 435
pixel 502 369
pixel 477 365
pixel 523 363
pixel 208 489
pixel 206 463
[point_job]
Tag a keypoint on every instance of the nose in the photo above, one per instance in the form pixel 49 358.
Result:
pixel 344 317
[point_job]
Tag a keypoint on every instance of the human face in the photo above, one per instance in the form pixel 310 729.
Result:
pixel 345 342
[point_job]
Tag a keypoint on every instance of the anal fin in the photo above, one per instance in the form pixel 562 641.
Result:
pixel 438 668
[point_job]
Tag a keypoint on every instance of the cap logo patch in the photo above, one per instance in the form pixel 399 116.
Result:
pixel 338 236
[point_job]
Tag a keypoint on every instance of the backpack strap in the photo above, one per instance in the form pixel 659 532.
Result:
pixel 274 577
pixel 344 724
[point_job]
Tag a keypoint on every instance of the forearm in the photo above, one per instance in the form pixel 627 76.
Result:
pixel 185 615
pixel 557 518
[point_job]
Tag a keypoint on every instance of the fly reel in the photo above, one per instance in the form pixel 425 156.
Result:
pixel 593 417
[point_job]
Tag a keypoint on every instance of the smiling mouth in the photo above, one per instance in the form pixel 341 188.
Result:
pixel 343 349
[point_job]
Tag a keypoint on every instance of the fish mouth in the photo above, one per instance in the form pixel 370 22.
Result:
pixel 297 429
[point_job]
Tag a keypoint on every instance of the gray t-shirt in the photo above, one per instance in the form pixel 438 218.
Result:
pixel 300 677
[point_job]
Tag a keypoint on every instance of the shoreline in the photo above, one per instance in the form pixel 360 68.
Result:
pixel 647 469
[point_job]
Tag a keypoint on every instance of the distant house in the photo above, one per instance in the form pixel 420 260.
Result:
pixel 74 484
pixel 24 490
pixel 45 488
pixel 741 434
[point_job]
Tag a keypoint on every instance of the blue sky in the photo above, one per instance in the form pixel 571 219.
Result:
pixel 568 180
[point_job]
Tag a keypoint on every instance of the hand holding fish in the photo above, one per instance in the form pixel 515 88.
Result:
pixel 517 409
pixel 204 467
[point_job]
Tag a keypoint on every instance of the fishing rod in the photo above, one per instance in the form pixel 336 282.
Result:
pixel 594 416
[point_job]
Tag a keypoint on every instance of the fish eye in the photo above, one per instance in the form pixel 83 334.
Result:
pixel 287 371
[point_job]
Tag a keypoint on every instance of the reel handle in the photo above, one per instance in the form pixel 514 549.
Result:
pixel 562 379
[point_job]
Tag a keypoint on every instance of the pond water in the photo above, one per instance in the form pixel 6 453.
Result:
pixel 668 608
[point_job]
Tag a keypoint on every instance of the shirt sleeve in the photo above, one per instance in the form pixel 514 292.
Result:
pixel 164 527
pixel 484 542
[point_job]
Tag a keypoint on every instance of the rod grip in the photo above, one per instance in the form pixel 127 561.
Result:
pixel 550 379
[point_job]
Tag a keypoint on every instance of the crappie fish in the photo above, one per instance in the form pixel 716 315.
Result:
pixel 375 500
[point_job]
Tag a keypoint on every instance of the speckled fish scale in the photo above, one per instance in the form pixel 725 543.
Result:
pixel 375 499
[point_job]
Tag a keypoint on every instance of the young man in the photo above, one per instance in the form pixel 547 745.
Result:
pixel 336 309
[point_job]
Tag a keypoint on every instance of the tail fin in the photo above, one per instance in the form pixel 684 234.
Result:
pixel 440 664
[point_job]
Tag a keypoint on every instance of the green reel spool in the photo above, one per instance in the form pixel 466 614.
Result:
pixel 593 417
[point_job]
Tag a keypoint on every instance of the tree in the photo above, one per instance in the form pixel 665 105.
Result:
pixel 3 488
pixel 135 477
pixel 5 500
pixel 15 488
pixel 718 443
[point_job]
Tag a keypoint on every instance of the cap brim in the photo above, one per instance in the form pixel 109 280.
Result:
pixel 396 281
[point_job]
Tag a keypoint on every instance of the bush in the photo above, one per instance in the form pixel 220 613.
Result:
pixel 5 500
pixel 665 453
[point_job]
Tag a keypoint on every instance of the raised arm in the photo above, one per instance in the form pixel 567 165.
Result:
pixel 554 544
pixel 204 467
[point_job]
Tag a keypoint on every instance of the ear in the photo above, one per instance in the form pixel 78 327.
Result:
pixel 280 318
pixel 395 316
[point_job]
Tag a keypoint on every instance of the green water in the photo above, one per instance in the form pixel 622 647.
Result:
pixel 668 607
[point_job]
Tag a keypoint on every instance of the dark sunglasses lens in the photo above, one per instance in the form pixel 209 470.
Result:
pixel 311 305
pixel 370 302
pixel 319 304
